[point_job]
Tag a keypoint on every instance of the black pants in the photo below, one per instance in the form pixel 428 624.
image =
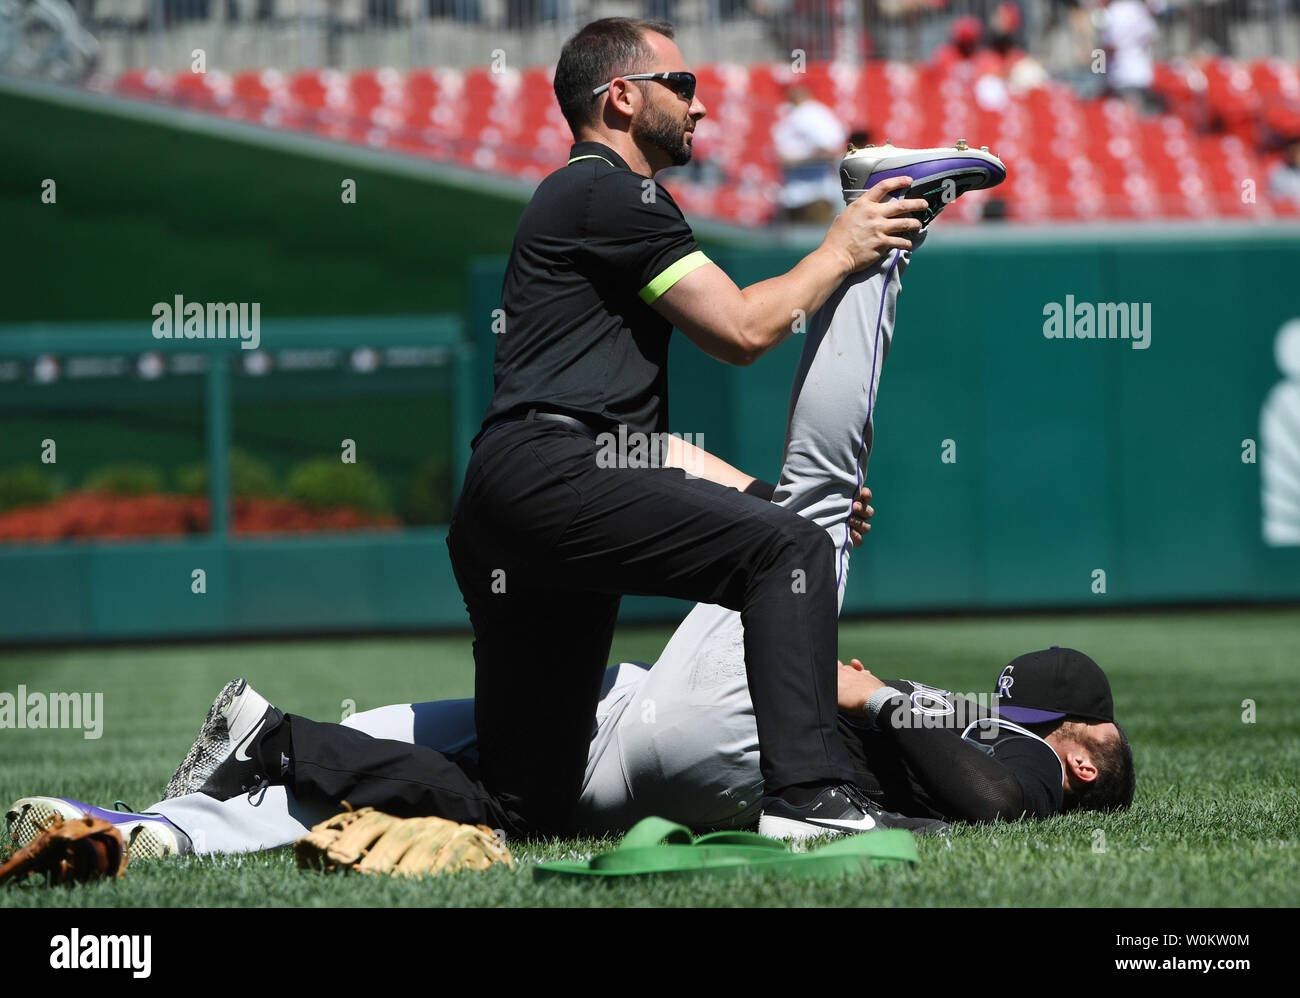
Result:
pixel 543 542
pixel 333 763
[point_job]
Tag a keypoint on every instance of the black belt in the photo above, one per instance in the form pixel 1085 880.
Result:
pixel 585 428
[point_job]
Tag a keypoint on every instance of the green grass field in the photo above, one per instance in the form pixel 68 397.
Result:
pixel 1215 822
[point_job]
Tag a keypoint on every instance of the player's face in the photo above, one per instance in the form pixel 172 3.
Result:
pixel 666 121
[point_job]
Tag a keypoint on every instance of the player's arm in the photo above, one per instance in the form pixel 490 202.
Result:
pixel 738 326
pixel 700 463
pixel 964 783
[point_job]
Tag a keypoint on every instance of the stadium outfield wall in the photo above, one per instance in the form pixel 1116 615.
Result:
pixel 1010 468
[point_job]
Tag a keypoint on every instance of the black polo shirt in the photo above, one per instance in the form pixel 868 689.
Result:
pixel 595 246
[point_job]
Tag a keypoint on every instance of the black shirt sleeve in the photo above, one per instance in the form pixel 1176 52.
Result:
pixel 638 235
pixel 965 782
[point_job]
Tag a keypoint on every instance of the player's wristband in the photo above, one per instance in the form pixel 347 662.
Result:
pixel 877 700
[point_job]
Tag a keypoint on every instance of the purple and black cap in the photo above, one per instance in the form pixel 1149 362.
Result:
pixel 1054 683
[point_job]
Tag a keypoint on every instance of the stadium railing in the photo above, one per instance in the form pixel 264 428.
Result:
pixel 293 34
pixel 90 391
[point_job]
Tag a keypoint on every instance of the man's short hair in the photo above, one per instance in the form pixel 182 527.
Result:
pixel 1116 780
pixel 604 49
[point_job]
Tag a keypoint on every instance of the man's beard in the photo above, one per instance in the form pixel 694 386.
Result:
pixel 659 129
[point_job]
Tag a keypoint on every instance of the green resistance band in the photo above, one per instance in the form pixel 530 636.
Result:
pixel 660 847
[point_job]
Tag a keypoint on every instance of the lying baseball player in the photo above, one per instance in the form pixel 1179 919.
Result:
pixel 679 739
pixel 1043 742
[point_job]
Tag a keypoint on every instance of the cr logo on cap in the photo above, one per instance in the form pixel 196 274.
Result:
pixel 1005 682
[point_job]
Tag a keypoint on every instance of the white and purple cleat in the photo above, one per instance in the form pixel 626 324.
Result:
pixel 147 836
pixel 940 176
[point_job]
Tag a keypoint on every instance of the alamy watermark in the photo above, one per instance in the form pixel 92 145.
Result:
pixel 633 449
pixel 182 320
pixel 102 952
pixel 84 711
pixel 930 707
pixel 1101 321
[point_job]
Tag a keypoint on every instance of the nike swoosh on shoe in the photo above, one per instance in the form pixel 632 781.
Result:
pixel 847 826
pixel 247 740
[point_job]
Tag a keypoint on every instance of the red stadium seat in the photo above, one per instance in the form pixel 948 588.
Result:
pixel 308 88
pixel 143 83
pixel 768 82
pixel 1069 158
pixel 203 91
pixel 817 78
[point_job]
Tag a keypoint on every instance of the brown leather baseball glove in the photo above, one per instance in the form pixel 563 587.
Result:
pixel 369 841
pixel 67 852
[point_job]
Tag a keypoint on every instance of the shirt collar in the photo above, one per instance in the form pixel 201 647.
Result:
pixel 598 149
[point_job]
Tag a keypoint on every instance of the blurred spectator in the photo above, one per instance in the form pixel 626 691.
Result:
pixel 522 13
pixel 530 13
pixel 999 67
pixel 1018 68
pixel 728 10
pixel 1284 182
pixel 1078 17
pixel 1004 33
pixel 1128 32
pixel 1208 23
pixel 810 142
pixel 963 43
pixel 803 25
pixel 381 11
pixel 458 10
pixel 901 25
pixel 1279 127
pixel 178 11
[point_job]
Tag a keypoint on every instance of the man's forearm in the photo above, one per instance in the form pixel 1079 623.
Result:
pixel 700 463
pixel 773 307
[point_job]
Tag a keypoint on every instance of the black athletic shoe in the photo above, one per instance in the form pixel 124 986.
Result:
pixel 223 761
pixel 837 810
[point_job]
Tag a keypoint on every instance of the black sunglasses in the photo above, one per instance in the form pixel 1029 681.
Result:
pixel 683 83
